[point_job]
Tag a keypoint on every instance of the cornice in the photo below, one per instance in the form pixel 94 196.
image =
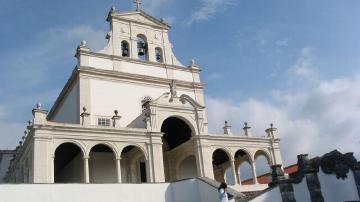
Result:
pixel 53 127
pixel 127 59
pixel 136 77
pixel 235 138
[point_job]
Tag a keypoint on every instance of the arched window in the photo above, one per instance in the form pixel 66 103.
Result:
pixel 158 54
pixel 142 47
pixel 125 49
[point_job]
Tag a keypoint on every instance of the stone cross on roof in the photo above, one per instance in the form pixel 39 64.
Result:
pixel 138 4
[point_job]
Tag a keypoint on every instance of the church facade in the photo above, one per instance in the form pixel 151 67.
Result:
pixel 132 113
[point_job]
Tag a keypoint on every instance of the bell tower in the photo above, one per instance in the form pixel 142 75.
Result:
pixel 137 63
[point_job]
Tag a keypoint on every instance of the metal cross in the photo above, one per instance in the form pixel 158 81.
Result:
pixel 138 4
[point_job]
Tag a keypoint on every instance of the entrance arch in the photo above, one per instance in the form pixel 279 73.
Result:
pixel 134 165
pixel 102 164
pixel 176 142
pixel 68 164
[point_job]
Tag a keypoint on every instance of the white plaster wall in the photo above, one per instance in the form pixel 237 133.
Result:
pixel 184 191
pixel 101 63
pixel 301 191
pixel 183 75
pixel 4 165
pixel 102 167
pixel 69 110
pixel 335 190
pixel 146 70
pixel 106 96
pixel 272 195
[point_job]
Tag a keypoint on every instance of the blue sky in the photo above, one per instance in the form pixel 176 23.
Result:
pixel 294 63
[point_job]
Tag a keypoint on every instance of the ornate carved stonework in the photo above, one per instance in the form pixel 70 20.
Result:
pixel 338 163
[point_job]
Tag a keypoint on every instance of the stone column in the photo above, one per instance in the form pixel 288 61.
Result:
pixel 253 167
pixel 52 166
pixel 234 172
pixel 157 158
pixel 118 169
pixel 238 176
pixel 41 160
pixel 86 170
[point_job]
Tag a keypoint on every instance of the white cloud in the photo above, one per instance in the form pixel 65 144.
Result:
pixel 315 121
pixel 208 9
pixel 282 42
pixel 305 66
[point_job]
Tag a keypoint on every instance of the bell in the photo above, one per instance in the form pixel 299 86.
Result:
pixel 141 48
pixel 158 57
pixel 141 51
pixel 125 52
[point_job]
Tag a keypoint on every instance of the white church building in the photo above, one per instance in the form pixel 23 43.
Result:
pixel 132 113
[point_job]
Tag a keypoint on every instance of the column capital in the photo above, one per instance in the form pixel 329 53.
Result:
pixel 86 157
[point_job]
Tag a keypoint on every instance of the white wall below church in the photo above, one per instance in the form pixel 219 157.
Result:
pixel 188 190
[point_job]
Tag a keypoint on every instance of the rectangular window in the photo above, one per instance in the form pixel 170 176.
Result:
pixel 103 122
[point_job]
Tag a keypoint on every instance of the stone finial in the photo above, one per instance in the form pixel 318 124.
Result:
pixel 193 64
pixel 83 46
pixel 116 119
pixel 85 117
pixel 271 132
pixel 247 130
pixel 39 115
pixel 112 9
pixel 227 128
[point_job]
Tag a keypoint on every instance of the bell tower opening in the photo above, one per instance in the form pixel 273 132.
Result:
pixel 176 140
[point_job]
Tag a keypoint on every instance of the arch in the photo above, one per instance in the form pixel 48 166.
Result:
pixel 177 140
pixel 68 164
pixel 243 165
pixel 102 165
pixel 134 165
pixel 142 47
pixel 262 161
pixel 140 147
pixel 221 160
pixel 188 121
pixel 159 55
pixel 125 49
pixel 264 153
pixel 77 143
pixel 176 131
pixel 108 144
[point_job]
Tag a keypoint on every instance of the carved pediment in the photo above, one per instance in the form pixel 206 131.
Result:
pixel 184 101
pixel 140 17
